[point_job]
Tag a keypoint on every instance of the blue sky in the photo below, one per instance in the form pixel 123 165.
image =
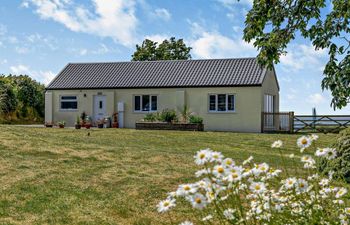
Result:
pixel 39 37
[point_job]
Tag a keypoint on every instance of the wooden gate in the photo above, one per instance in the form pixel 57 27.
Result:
pixel 288 122
pixel 321 123
pixel 277 122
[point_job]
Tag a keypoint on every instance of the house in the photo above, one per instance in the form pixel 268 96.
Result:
pixel 229 94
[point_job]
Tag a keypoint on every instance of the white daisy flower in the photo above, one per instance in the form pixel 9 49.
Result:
pixel 165 205
pixel 342 191
pixel 291 156
pixel 219 171
pixel 263 167
pixel 198 201
pixel 277 144
pixel 320 152
pixel 202 156
pixel 331 153
pixel 186 223
pixel 302 185
pixel 304 142
pixel 347 211
pixel 228 162
pixel 233 176
pixel 257 187
pixel 290 182
pixel 186 189
pixel 216 157
pixel 228 214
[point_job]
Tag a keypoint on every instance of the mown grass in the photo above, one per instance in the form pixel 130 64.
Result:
pixel 112 176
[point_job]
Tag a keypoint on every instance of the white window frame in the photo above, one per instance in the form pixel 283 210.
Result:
pixel 68 100
pixel 217 103
pixel 150 106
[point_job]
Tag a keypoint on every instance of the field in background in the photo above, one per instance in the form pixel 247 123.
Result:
pixel 112 176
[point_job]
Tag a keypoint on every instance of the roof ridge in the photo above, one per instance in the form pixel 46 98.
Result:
pixel 159 61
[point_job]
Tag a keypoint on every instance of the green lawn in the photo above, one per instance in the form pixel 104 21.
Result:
pixel 113 176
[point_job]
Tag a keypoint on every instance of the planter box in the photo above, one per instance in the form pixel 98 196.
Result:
pixel 169 126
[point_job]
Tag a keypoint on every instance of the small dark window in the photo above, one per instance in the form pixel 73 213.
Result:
pixel 68 102
pixel 137 103
pixel 231 103
pixel 154 103
pixel 212 102
pixel 221 102
pixel 145 103
pixel 101 105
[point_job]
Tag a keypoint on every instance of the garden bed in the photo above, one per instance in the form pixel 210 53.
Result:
pixel 169 126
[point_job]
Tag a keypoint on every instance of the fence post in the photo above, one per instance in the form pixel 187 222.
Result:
pixel 291 122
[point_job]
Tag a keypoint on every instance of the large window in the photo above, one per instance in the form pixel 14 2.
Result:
pixel 68 102
pixel 145 103
pixel 221 103
pixel 269 103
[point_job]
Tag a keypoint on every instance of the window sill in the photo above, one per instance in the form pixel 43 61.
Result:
pixel 222 112
pixel 68 110
pixel 144 112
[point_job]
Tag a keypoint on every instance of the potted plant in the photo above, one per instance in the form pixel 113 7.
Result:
pixel 87 122
pixel 61 124
pixel 77 123
pixel 100 123
pixel 115 120
pixel 49 124
pixel 83 119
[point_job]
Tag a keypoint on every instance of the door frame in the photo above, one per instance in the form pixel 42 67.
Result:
pixel 104 99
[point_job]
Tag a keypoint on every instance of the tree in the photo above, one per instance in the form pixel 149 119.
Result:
pixel 271 25
pixel 171 49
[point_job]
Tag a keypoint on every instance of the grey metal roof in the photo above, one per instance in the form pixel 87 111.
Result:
pixel 158 74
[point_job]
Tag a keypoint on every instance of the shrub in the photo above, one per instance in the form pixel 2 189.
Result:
pixel 150 117
pixel 168 115
pixel 340 165
pixel 196 119
pixel 256 193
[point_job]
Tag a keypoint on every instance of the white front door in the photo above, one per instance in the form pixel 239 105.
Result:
pixel 100 107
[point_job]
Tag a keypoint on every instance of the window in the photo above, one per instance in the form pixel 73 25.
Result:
pixel 69 102
pixel 221 103
pixel 101 104
pixel 145 103
pixel 269 103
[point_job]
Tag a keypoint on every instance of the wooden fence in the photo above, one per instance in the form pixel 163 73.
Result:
pixel 288 122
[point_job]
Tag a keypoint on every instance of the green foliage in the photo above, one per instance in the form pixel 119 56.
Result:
pixel 151 117
pixel 185 114
pixel 168 115
pixel 196 119
pixel 341 164
pixel 22 98
pixel 271 25
pixel 168 50
pixel 62 123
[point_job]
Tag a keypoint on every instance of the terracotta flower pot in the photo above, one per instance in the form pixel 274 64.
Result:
pixel 61 126
pixel 87 126
pixel 115 125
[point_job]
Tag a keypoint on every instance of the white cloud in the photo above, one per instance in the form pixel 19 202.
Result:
pixel 4 61
pixel 161 13
pixel 83 51
pixel 316 99
pixel 44 77
pixel 157 37
pixel 212 44
pixel 302 56
pixel 21 50
pixel 232 3
pixel 19 69
pixel 109 18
